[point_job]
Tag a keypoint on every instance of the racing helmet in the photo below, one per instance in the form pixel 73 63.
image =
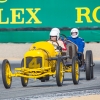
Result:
pixel 55 32
pixel 74 30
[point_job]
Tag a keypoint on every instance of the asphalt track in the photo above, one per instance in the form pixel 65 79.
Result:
pixel 36 87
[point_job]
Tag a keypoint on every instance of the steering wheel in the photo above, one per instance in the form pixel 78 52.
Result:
pixel 63 38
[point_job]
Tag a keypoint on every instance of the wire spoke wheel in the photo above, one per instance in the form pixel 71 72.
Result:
pixel 24 80
pixel 6 77
pixel 59 72
pixel 75 70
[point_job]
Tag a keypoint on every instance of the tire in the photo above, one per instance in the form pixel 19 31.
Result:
pixel 24 80
pixel 6 70
pixel 89 62
pixel 92 72
pixel 43 79
pixel 47 78
pixel 59 72
pixel 75 70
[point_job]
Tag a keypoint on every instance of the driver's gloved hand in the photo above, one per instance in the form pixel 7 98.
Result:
pixel 59 48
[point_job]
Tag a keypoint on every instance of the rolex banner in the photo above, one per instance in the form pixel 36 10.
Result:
pixel 43 14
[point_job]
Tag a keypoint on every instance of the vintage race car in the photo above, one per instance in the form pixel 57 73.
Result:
pixel 41 62
pixel 86 63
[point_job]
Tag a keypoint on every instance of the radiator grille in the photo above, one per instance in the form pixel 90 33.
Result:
pixel 34 62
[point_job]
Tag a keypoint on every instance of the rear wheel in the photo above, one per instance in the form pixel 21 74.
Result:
pixel 89 63
pixel 24 80
pixel 75 70
pixel 59 72
pixel 45 78
pixel 92 74
pixel 6 71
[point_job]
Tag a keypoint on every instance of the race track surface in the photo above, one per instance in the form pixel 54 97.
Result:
pixel 36 87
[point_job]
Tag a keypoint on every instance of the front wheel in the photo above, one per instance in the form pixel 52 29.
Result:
pixel 59 72
pixel 24 80
pixel 75 70
pixel 6 71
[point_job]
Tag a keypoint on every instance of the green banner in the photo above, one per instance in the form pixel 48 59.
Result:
pixel 48 13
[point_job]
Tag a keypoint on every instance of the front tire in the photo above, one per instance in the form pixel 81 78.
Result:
pixel 6 71
pixel 75 70
pixel 59 72
pixel 24 80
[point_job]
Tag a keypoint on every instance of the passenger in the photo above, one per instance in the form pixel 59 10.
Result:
pixel 77 40
pixel 54 39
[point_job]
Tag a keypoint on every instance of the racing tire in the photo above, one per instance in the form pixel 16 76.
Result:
pixel 24 80
pixel 75 70
pixel 92 72
pixel 6 70
pixel 45 79
pixel 59 72
pixel 89 62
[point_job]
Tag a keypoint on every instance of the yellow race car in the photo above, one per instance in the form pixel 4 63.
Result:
pixel 40 62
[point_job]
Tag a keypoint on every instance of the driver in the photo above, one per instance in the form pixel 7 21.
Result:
pixel 54 39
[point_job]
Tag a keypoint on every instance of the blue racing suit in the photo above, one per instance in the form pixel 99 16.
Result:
pixel 79 42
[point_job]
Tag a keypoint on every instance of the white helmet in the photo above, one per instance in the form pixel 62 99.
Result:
pixel 76 31
pixel 55 32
